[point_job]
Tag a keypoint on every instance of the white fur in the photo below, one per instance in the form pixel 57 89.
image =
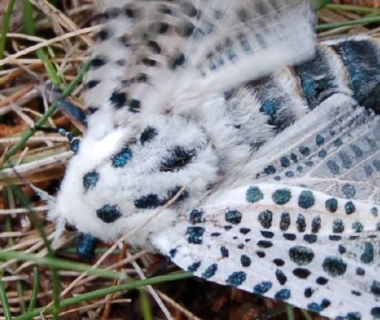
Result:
pixel 231 144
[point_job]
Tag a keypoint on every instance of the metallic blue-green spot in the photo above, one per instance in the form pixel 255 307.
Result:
pixel 120 159
pixel 338 226
pixel 368 253
pixel 301 255
pixel 90 180
pixel 283 294
pixel 349 207
pixel 357 226
pixel 236 278
pixel 282 196
pixel 195 235
pixel 334 266
pixel 233 216
pixel 254 194
pixel 210 271
pixel 331 205
pixel 245 260
pixel 194 267
pixel 306 200
pixel 262 287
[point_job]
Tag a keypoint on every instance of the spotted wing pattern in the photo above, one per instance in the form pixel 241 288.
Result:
pixel 163 55
pixel 334 149
pixel 307 248
pixel 306 225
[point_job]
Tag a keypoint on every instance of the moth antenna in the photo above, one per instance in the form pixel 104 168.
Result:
pixel 73 140
pixel 60 226
pixel 41 193
pixel 66 105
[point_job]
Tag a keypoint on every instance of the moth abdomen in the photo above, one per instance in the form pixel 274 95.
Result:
pixel 361 57
pixel 348 66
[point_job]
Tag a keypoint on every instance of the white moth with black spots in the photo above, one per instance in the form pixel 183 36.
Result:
pixel 276 170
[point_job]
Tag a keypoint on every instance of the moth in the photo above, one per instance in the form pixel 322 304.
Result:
pixel 205 148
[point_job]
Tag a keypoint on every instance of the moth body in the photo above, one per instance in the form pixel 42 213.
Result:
pixel 203 146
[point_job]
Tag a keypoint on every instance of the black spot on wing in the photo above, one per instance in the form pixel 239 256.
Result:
pixel 368 253
pixel 334 266
pixel 338 226
pixel 177 61
pixel 236 278
pixel 301 255
pixel 281 196
pixel 254 194
pixel 233 216
pixel 284 221
pixel 301 273
pixel 301 223
pixel 98 61
pixel 154 46
pixel 92 84
pixel 224 252
pixel 118 99
pixel 332 205
pixel 196 216
pixel 315 307
pixel 104 34
pixel 375 312
pixel 194 267
pixel 281 277
pixel 210 271
pixel 283 294
pixel 263 287
pixel 306 199
pixel 316 224
pixel 195 235
pixel 265 218
pixel 245 260
pixel 135 105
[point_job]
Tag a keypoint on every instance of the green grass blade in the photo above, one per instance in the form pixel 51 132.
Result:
pixel 38 225
pixel 36 288
pixel 103 292
pixel 322 3
pixel 5 27
pixel 145 305
pixel 49 112
pixel 358 9
pixel 4 302
pixel 20 293
pixel 362 21
pixel 290 312
pixel 30 29
pixel 60 264
pixel 306 315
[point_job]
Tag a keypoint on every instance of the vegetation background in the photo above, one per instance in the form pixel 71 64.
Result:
pixel 44 45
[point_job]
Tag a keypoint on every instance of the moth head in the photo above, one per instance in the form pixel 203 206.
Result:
pixel 114 184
